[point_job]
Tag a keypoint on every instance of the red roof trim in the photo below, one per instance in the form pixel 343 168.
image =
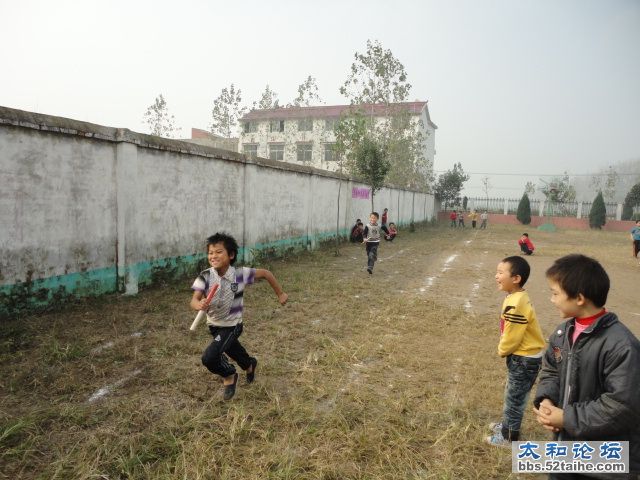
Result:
pixel 331 111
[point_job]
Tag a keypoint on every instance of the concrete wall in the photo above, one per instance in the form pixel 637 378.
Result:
pixel 87 209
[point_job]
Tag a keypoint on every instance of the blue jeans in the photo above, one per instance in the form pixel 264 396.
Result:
pixel 522 373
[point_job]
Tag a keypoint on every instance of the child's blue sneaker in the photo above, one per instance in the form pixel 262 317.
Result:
pixel 497 440
pixel 495 427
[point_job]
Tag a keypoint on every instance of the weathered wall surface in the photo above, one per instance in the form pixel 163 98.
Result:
pixel 87 209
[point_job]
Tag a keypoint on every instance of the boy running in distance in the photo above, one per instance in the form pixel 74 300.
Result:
pixel 372 239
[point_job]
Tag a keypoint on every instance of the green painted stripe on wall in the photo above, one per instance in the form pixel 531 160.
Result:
pixel 38 294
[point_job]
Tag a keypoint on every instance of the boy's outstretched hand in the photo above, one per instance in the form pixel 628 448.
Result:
pixel 282 298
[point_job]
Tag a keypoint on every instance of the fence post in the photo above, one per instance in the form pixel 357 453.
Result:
pixel 579 215
pixel 506 206
pixel 619 212
pixel 541 211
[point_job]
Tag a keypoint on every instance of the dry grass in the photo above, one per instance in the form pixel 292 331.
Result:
pixel 360 377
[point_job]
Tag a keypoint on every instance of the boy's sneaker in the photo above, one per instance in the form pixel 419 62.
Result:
pixel 370 270
pixel 497 440
pixel 252 376
pixel 495 427
pixel 230 390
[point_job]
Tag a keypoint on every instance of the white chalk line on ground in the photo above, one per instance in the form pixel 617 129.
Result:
pixel 390 256
pixel 110 344
pixel 104 391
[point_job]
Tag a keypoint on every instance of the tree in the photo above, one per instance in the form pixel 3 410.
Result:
pixel 598 213
pixel 630 201
pixel 160 122
pixel 449 184
pixel 372 164
pixel 486 186
pixel 226 112
pixel 307 93
pixel 530 188
pixel 268 100
pixel 405 147
pixel 610 185
pixel 350 132
pixel 559 190
pixel 376 77
pixel 524 210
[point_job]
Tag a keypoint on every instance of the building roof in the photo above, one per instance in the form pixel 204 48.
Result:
pixel 331 111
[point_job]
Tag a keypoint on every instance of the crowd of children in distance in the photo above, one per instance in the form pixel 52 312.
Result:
pixel 589 373
pixel 457 219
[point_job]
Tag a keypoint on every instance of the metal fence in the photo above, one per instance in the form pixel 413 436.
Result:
pixel 566 209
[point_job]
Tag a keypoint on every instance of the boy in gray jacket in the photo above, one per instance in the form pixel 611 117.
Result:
pixel 589 387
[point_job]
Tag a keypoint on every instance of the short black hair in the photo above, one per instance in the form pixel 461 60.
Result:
pixel 376 214
pixel 230 244
pixel 525 234
pixel 578 274
pixel 518 266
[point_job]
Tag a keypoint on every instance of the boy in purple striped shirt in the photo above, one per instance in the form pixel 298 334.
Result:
pixel 224 313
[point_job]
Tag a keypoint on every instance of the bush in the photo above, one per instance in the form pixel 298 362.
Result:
pixel 524 210
pixel 631 200
pixel 598 213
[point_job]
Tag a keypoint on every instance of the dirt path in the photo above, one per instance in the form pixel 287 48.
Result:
pixel 390 375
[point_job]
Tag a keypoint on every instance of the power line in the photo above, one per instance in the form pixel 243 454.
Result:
pixel 545 174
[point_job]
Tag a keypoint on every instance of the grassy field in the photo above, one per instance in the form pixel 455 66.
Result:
pixel 389 376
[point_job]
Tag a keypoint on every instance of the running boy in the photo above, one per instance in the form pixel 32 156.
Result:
pixel 521 343
pixel 590 381
pixel 372 239
pixel 224 314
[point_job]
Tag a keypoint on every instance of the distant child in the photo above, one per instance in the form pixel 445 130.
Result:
pixel 484 216
pixel 521 343
pixel 589 386
pixel 384 220
pixel 453 216
pixel 461 219
pixel 356 232
pixel 635 237
pixel 474 218
pixel 393 231
pixel 372 239
pixel 526 245
pixel 224 314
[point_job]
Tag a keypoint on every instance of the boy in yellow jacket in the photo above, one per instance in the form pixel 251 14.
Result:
pixel 521 343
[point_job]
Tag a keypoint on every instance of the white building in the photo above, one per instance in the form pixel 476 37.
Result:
pixel 305 135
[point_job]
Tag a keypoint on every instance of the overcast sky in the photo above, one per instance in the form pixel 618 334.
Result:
pixel 520 86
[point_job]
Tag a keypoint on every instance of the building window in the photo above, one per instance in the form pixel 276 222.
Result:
pixel 250 149
pixel 329 152
pixel 330 124
pixel 305 125
pixel 276 126
pixel 250 127
pixel 276 151
pixel 304 152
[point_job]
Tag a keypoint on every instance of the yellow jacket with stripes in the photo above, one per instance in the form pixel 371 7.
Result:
pixel 520 332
